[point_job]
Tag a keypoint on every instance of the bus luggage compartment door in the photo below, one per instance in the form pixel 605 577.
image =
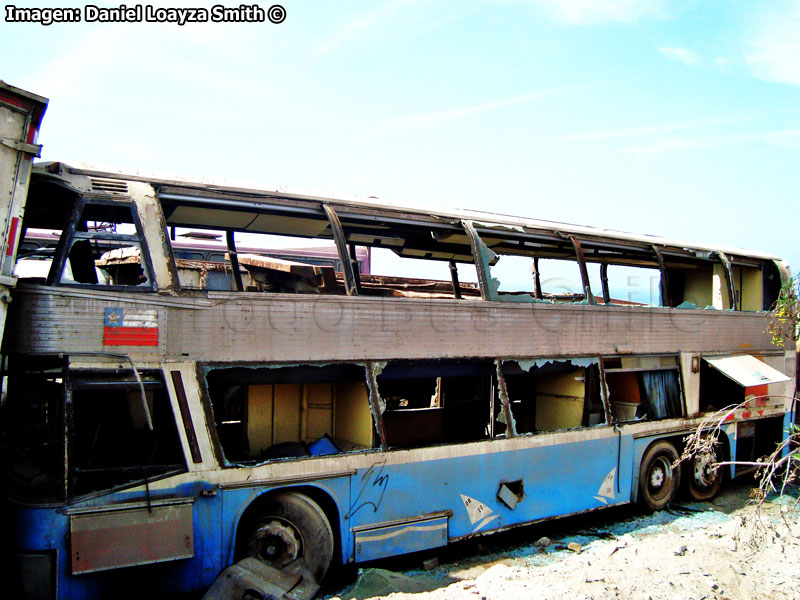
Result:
pixel 132 534
pixel 400 537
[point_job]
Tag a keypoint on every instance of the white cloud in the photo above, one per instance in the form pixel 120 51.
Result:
pixel 595 12
pixel 687 57
pixel 730 119
pixel 786 138
pixel 775 54
pixel 412 122
pixel 374 23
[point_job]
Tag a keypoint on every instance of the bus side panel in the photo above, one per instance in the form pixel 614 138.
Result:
pixel 236 501
pixel 203 569
pixel 40 530
pixel 486 491
pixel 32 533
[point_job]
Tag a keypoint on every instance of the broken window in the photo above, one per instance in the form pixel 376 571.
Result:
pixel 551 394
pixel 103 244
pixel 644 388
pixel 430 403
pixel 100 242
pixel 412 258
pixel 108 423
pixel 394 274
pixel 560 280
pixel 290 412
pixel 123 430
pixel 626 285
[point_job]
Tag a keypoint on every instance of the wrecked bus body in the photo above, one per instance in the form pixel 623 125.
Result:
pixel 161 425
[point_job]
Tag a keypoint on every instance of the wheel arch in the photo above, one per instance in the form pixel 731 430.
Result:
pixel 642 445
pixel 259 503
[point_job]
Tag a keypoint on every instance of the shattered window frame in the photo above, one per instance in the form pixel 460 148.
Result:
pixel 72 235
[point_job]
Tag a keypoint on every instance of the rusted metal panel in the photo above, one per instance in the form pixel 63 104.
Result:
pixel 230 326
pixel 114 537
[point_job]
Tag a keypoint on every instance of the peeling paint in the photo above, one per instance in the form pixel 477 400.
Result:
pixel 499 227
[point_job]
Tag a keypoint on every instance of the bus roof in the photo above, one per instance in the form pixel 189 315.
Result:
pixel 212 193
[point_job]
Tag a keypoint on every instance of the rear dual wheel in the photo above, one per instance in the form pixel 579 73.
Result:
pixel 703 479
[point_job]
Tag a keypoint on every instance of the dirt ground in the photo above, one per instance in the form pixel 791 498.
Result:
pixel 725 549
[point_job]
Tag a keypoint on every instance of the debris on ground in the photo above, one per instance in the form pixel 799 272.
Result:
pixel 721 550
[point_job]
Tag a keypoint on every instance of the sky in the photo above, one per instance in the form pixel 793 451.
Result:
pixel 675 118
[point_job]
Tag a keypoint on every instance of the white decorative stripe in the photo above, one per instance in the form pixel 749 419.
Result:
pixel 395 533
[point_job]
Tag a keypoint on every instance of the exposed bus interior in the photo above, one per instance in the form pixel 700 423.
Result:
pixel 86 227
pixel 644 388
pixel 414 254
pixel 553 395
pixel 32 428
pixel 438 402
pixel 263 413
pixel 121 429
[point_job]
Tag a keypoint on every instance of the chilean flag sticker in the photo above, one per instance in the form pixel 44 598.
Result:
pixel 130 327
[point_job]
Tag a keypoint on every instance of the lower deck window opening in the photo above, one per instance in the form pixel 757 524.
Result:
pixel 555 395
pixel 644 388
pixel 263 413
pixel 111 443
pixel 430 403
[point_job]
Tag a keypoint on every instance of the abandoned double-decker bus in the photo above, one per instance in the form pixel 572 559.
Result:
pixel 163 419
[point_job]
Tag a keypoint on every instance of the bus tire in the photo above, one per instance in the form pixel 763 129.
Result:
pixel 658 479
pixel 291 526
pixel 703 481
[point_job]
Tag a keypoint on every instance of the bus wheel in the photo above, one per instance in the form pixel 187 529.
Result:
pixel 703 480
pixel 658 479
pixel 289 527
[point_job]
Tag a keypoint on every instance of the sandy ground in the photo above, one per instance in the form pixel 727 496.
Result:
pixel 721 550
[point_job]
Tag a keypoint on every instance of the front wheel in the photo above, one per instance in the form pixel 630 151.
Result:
pixel 658 479
pixel 288 527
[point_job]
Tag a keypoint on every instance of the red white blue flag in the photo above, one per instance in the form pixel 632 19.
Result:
pixel 130 327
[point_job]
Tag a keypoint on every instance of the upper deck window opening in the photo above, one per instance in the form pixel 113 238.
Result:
pixel 395 274
pixel 559 280
pixel 95 229
pixel 627 285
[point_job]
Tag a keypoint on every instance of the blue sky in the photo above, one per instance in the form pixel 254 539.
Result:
pixel 674 118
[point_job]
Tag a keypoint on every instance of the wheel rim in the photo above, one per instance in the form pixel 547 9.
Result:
pixel 276 542
pixel 704 474
pixel 659 478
